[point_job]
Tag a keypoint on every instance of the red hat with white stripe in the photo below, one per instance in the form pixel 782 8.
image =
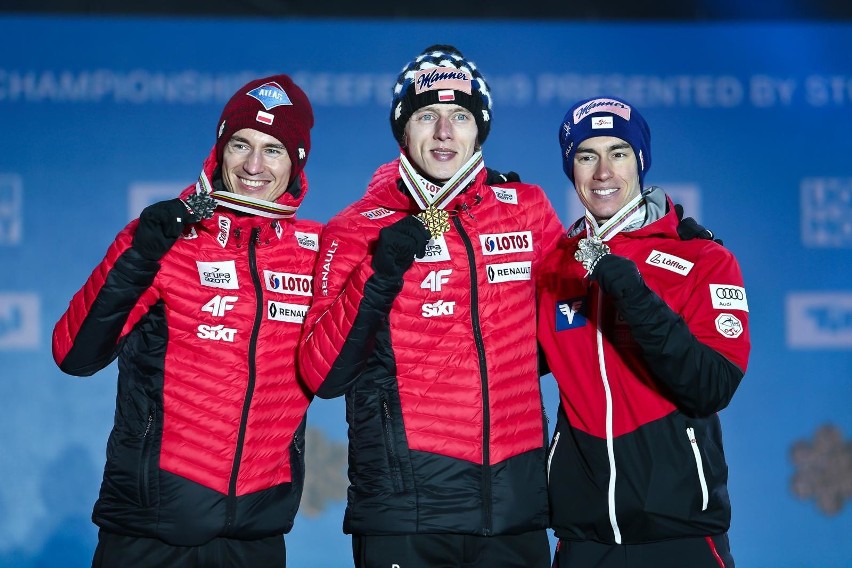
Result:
pixel 275 106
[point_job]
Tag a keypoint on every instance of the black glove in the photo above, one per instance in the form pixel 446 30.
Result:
pixel 159 227
pixel 616 275
pixel 690 229
pixel 398 244
pixel 496 178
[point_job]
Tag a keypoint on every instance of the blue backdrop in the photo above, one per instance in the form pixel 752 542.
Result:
pixel 750 130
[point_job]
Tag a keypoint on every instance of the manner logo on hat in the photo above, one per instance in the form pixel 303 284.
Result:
pixel 270 95
pixel 441 78
pixel 602 105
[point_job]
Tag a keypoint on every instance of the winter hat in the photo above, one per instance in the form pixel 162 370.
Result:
pixel 440 74
pixel 275 106
pixel 604 116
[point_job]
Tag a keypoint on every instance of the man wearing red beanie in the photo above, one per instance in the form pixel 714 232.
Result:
pixel 201 299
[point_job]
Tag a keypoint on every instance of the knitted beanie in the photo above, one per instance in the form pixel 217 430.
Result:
pixel 604 116
pixel 275 106
pixel 440 74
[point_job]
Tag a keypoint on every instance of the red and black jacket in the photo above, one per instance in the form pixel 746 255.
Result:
pixel 637 453
pixel 209 424
pixel 439 368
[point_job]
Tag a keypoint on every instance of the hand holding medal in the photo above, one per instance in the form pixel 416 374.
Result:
pixel 589 251
pixel 199 206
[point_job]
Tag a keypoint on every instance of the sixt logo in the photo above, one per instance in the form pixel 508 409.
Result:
pixel 503 243
pixel 819 320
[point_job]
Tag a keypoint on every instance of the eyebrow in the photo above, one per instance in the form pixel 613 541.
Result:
pixel 616 146
pixel 245 141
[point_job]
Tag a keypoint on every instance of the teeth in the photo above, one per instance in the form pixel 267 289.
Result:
pixel 604 192
pixel 252 182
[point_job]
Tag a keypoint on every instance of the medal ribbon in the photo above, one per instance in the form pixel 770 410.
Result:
pixel 419 186
pixel 245 203
pixel 630 213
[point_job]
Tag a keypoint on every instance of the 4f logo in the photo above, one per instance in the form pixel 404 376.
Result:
pixel 219 305
pixel 436 279
pixel 216 333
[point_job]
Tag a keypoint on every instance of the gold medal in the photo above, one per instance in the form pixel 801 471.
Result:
pixel 436 220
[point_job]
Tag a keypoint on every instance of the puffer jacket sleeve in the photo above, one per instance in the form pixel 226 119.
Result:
pixel 89 334
pixel 686 351
pixel 350 304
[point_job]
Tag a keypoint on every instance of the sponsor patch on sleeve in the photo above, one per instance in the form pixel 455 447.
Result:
pixel 729 325
pixel 379 213
pixel 728 297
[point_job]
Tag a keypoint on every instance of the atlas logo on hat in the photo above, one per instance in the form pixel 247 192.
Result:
pixel 270 95
pixel 275 106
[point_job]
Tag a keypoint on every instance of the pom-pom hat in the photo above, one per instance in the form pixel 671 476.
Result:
pixel 275 106
pixel 441 74
pixel 604 116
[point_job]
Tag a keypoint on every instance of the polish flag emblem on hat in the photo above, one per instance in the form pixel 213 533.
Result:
pixel 264 117
pixel 446 96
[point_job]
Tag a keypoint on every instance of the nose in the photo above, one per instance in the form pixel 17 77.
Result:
pixel 443 128
pixel 254 161
pixel 603 171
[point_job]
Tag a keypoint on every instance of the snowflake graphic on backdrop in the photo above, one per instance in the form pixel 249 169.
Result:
pixel 824 469
pixel 325 462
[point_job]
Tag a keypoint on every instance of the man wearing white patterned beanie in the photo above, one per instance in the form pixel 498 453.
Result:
pixel 423 316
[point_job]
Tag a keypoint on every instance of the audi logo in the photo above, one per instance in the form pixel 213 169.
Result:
pixel 729 294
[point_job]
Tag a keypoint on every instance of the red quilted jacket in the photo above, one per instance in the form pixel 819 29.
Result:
pixel 207 438
pixel 443 396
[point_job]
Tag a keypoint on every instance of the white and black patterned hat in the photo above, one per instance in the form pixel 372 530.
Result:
pixel 440 74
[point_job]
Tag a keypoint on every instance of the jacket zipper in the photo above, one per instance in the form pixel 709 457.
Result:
pixel 690 433
pixel 610 450
pixel 550 455
pixel 483 375
pixel 145 461
pixel 393 462
pixel 252 353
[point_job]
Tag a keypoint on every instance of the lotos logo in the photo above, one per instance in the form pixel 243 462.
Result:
pixel 298 284
pixel 503 243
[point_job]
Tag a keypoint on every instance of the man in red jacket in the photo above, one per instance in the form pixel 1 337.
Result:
pixel 647 337
pixel 202 299
pixel 424 317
